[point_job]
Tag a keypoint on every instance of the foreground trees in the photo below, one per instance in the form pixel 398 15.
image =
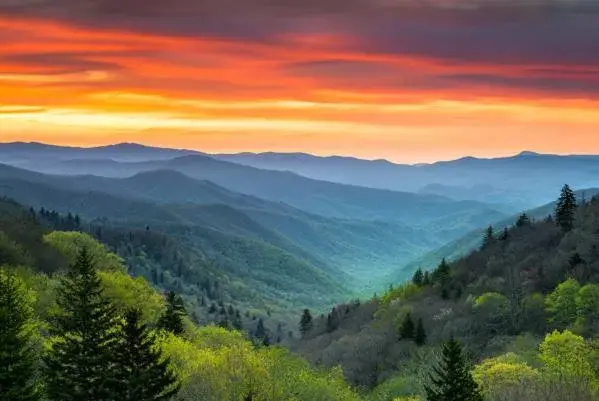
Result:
pixel 451 380
pixel 140 372
pixel 79 364
pixel 17 353
pixel 92 357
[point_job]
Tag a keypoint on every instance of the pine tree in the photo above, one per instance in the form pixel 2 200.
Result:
pixel 452 381
pixel 305 322
pixel 523 221
pixel 418 277
pixel 80 363
pixel 420 336
pixel 565 209
pixel 441 274
pixel 172 319
pixel 332 320
pixel 427 279
pixel 505 235
pixel 488 237
pixel 142 373
pixel 17 355
pixel 260 332
pixel 407 330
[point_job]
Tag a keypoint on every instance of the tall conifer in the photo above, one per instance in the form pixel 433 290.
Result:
pixel 172 319
pixel 17 354
pixel 80 362
pixel 142 374
pixel 565 209
pixel 420 337
pixel 451 380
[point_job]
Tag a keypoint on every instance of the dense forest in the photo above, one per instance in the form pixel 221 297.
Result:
pixel 514 320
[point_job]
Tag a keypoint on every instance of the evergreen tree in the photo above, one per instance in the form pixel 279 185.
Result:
pixel 81 359
pixel 172 319
pixel 305 322
pixel 505 235
pixel 452 381
pixel 332 321
pixel 260 332
pixel 523 220
pixel 420 336
pixel 488 237
pixel 565 209
pixel 17 355
pixel 427 279
pixel 407 330
pixel 441 274
pixel 142 373
pixel 418 277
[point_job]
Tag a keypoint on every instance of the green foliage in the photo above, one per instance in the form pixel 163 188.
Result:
pixel 172 319
pixel 492 310
pixel 232 369
pixel 587 302
pixel 566 354
pixel 565 209
pixel 70 244
pixel 452 380
pixel 18 356
pixel 79 363
pixel 500 374
pixel 403 291
pixel 127 292
pixel 561 304
pixel 141 372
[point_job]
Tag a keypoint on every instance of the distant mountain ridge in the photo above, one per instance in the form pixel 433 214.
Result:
pixel 519 181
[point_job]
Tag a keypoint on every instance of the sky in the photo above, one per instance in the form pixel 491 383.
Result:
pixel 406 80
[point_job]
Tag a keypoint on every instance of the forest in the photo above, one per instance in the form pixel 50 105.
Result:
pixel 516 319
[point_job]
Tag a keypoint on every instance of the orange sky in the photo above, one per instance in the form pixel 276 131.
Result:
pixel 68 82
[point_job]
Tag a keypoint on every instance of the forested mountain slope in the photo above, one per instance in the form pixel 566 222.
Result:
pixel 50 279
pixel 360 248
pixel 471 241
pixel 505 297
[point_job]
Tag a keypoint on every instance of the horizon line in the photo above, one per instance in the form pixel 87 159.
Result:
pixel 524 152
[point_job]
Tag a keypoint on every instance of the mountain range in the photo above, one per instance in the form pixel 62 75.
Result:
pixel 326 227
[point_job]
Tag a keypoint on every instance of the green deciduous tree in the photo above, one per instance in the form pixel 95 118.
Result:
pixel 565 209
pixel 141 372
pixel 561 304
pixel 17 353
pixel 79 364
pixel 451 380
pixel 172 318
pixel 587 303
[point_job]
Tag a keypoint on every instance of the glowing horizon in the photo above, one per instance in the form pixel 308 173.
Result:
pixel 316 84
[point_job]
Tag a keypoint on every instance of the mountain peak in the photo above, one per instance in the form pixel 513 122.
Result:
pixel 528 153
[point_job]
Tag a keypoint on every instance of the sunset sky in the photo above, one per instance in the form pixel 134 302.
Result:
pixel 407 80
